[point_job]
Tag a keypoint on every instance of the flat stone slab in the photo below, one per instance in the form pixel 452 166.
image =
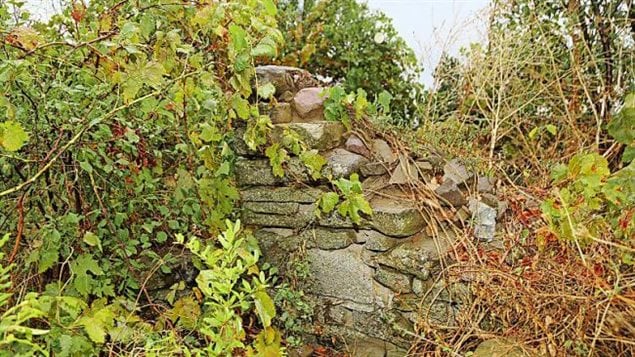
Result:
pixel 258 172
pixel 281 194
pixel 300 219
pixel 396 218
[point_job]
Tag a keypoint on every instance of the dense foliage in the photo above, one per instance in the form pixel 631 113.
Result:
pixel 345 41
pixel 124 178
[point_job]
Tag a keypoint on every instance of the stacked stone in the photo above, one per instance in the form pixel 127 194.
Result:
pixel 367 279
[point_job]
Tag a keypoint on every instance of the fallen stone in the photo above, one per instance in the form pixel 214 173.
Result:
pixel 404 173
pixel 393 280
pixel 457 172
pixel 451 193
pixel 383 152
pixel 308 100
pixel 424 166
pixel 485 184
pixel 281 194
pixel 357 146
pixel 396 218
pixel 342 163
pixel 343 274
pixel 418 255
pixel 320 136
pixel 484 218
pixel 500 347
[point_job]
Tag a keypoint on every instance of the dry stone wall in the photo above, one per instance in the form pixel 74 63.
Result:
pixel 369 280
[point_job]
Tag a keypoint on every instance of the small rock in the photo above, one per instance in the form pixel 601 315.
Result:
pixel 308 100
pixel 373 169
pixel 404 173
pixel 484 220
pixel 451 193
pixel 382 151
pixel 424 166
pixel 485 184
pixel 356 145
pixel 493 201
pixel 281 113
pixel 285 79
pixel 342 163
pixel 418 287
pixel 457 172
pixel 329 239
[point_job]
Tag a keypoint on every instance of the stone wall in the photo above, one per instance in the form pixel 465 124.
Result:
pixel 371 281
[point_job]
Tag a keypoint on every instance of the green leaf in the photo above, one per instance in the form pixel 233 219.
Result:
pixel 314 162
pixel 266 91
pixel 277 156
pixel 92 240
pixel 241 106
pixel 328 201
pixel 551 129
pixel 264 307
pixel 12 136
pixel 267 47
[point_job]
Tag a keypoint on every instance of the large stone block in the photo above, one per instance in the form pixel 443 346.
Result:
pixel 342 274
pixel 287 80
pixel 300 219
pixel 396 218
pixel 322 135
pixel 281 194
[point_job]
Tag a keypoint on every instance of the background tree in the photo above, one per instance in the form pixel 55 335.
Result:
pixel 346 41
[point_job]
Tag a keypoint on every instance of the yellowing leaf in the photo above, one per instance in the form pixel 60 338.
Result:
pixel 12 136
pixel 264 307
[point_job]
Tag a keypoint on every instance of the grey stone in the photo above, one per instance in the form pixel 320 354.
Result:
pixel 424 166
pixel 239 146
pixel 277 245
pixel 373 169
pixel 357 146
pixel 500 347
pixel 342 163
pixel 393 280
pixel 485 184
pixel 286 80
pixel 375 241
pixel 418 287
pixel 457 172
pixel 451 193
pixel 406 172
pixel 320 135
pixel 308 100
pixel 396 218
pixel 484 218
pixel 329 239
pixel 286 208
pixel 418 255
pixel 343 274
pixel 281 194
pixel 258 172
pixel 383 152
pixel 493 201
pixel 301 219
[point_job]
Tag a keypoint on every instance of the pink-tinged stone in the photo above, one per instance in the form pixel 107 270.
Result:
pixel 356 145
pixel 308 100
